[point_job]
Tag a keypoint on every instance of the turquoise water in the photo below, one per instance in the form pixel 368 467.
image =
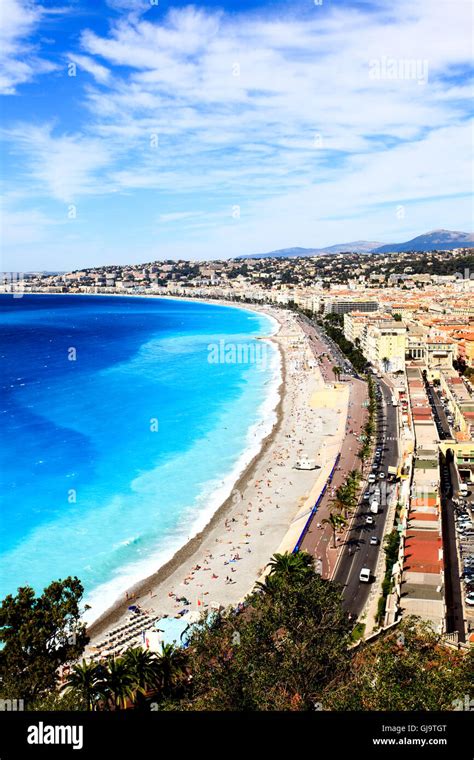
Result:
pixel 119 436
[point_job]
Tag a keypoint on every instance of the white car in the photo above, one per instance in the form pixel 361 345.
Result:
pixel 470 599
pixel 364 575
pixel 371 478
pixel 374 541
pixel 369 520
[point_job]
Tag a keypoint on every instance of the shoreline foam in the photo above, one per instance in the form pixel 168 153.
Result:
pixel 114 588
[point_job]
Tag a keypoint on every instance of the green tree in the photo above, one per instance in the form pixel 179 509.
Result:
pixel 291 565
pixel 346 498
pixel 116 683
pixel 407 668
pixel 369 428
pixel 336 522
pixel 269 585
pixel 277 655
pixel 84 680
pixel 59 701
pixel 143 667
pixel 362 454
pixel 171 668
pixel 39 634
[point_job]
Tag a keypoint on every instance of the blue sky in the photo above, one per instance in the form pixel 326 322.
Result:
pixel 134 131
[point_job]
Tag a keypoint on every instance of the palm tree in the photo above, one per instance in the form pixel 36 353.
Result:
pixel 143 668
pixel 353 478
pixel 293 567
pixel 385 363
pixel 84 679
pixel 336 371
pixel 117 683
pixel 363 454
pixel 297 565
pixel 346 494
pixel 336 522
pixel 343 498
pixel 369 429
pixel 171 667
pixel 269 586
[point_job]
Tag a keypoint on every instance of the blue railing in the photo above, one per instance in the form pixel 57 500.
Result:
pixel 316 506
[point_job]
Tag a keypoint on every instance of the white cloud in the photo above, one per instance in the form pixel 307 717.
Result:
pixel 19 62
pixel 294 77
pixel 279 115
pixel 99 72
pixel 178 216
pixel 63 167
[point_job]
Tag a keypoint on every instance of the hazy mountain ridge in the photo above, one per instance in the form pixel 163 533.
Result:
pixel 441 239
pixel 436 239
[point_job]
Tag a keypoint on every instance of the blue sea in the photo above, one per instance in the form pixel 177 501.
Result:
pixel 121 431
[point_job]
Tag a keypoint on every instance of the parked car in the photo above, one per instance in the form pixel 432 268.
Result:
pixel 374 541
pixel 364 575
pixel 369 520
pixel 470 599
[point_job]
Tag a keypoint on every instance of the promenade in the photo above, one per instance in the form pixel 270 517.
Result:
pixel 318 539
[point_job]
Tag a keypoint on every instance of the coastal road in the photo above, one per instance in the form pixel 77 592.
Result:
pixel 390 415
pixel 357 552
pixel 354 551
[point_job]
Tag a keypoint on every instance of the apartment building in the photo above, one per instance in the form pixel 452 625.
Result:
pixel 422 584
pixel 384 345
pixel 465 347
pixel 440 352
pixel 460 400
pixel 356 323
pixel 346 305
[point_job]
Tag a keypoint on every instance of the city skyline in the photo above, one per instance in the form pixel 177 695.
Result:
pixel 200 132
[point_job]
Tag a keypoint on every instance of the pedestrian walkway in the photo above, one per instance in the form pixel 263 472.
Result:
pixel 318 540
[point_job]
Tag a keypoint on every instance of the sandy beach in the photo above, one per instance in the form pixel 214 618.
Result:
pixel 265 511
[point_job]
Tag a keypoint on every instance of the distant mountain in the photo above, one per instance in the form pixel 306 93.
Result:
pixel 437 239
pixel 282 253
pixel 359 246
